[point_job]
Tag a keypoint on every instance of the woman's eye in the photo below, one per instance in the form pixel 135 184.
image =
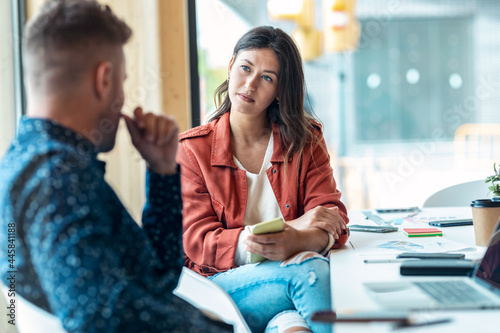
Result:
pixel 267 78
pixel 245 68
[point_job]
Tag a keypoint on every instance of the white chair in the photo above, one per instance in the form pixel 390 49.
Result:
pixel 458 195
pixel 211 299
pixel 29 318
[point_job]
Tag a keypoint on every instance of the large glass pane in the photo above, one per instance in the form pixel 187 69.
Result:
pixel 412 74
pixel 392 107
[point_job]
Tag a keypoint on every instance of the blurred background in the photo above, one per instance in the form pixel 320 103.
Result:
pixel 400 86
pixel 408 91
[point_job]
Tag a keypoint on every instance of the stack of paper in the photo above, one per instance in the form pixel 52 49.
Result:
pixel 422 232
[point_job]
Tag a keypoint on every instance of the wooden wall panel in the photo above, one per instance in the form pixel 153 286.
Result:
pixel 174 60
pixel 125 167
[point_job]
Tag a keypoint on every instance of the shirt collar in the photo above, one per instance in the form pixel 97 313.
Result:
pixel 31 129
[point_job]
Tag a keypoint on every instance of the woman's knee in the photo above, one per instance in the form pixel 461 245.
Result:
pixel 316 265
pixel 287 321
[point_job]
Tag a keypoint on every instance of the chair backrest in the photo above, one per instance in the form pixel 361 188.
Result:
pixel 458 195
pixel 28 317
pixel 476 144
pixel 211 299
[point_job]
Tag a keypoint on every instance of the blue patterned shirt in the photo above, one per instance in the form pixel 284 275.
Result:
pixel 73 248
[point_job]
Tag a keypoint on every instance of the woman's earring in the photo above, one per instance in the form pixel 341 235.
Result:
pixel 277 101
pixel 227 77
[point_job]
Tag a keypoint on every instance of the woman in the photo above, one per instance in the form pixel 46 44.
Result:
pixel 261 157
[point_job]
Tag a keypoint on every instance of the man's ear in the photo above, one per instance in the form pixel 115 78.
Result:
pixel 103 79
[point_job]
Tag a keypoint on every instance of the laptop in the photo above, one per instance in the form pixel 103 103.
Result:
pixel 481 290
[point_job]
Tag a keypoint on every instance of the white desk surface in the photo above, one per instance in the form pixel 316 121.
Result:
pixel 349 272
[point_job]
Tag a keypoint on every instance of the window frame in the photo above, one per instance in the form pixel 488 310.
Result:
pixel 193 64
pixel 18 22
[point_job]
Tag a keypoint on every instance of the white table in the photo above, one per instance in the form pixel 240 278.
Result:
pixel 349 272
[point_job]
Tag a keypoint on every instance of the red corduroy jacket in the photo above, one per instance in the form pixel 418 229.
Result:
pixel 214 192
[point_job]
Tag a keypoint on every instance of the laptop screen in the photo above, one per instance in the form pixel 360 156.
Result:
pixel 489 268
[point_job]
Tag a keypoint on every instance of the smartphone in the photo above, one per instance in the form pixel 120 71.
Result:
pixel 275 225
pixel 265 227
pixel 397 210
pixel 423 255
pixel 372 228
pixel 437 267
pixel 451 223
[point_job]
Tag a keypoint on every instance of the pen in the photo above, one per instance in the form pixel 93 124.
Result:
pixel 384 261
pixel 411 323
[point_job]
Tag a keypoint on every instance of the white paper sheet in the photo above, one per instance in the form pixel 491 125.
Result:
pixel 389 249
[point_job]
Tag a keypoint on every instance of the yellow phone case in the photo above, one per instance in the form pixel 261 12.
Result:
pixel 266 227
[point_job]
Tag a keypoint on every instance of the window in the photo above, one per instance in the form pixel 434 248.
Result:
pixel 410 75
pixel 390 108
pixel 215 46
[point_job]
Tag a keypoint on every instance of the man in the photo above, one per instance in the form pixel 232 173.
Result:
pixel 73 249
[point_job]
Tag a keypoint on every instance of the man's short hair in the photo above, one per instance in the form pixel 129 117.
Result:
pixel 64 33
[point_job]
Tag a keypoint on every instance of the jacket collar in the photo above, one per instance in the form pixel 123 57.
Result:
pixel 222 152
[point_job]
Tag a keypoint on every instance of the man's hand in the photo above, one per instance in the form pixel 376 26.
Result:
pixel 156 139
pixel 321 217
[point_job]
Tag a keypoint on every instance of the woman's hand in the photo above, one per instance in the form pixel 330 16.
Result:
pixel 327 219
pixel 282 245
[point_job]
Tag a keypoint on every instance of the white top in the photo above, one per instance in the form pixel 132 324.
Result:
pixel 261 201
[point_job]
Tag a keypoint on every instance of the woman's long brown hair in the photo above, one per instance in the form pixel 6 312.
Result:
pixel 295 124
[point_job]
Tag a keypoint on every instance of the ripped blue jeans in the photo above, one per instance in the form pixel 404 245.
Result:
pixel 263 290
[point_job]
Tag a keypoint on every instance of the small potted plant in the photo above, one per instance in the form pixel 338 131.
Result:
pixel 495 181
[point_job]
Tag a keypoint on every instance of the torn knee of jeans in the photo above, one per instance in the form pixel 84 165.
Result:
pixel 311 279
pixel 288 322
pixel 300 258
